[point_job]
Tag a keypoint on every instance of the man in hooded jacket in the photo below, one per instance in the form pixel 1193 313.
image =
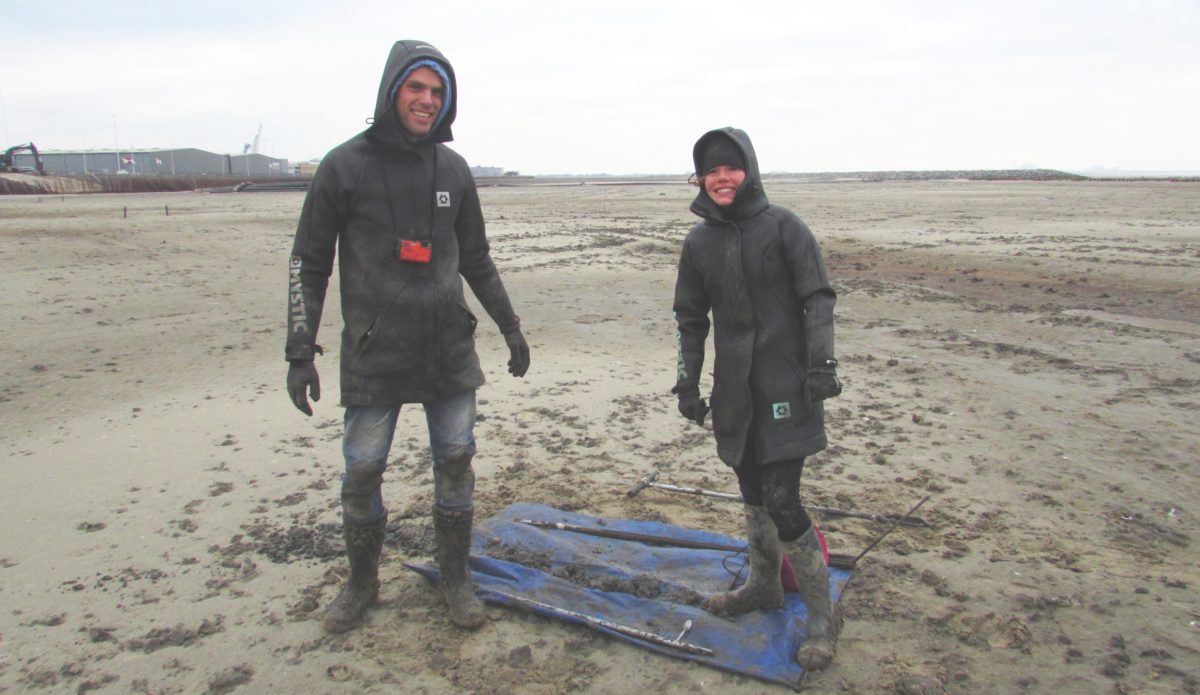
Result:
pixel 757 269
pixel 401 211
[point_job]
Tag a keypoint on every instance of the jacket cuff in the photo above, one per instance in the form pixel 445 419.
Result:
pixel 303 353
pixel 514 327
pixel 686 389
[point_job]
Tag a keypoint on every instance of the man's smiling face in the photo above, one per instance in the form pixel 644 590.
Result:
pixel 419 100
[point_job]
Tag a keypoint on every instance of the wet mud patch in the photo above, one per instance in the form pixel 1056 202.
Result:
pixel 881 591
pixel 411 537
pixel 520 555
pixel 303 543
pixel 113 581
pixel 230 679
pixel 594 577
pixel 55 678
pixel 283 545
pixel 1123 661
pixel 537 667
pixel 1142 535
pixel 321 542
pixel 177 636
pixel 1028 571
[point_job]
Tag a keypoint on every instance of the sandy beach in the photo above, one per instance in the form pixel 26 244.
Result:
pixel 1027 354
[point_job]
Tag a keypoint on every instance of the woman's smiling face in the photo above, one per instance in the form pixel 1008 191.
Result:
pixel 721 183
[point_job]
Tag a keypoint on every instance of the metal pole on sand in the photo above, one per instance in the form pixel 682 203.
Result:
pixel 649 481
pixel 615 627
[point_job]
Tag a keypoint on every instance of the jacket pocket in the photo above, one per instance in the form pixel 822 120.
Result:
pixel 464 311
pixel 366 338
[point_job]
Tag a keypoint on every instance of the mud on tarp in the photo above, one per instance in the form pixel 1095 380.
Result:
pixel 653 588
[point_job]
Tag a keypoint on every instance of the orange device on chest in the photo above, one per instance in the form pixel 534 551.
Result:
pixel 414 251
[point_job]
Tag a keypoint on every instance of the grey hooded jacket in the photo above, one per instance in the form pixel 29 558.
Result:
pixel 758 269
pixel 408 333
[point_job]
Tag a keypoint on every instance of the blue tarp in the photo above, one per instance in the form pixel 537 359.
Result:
pixel 509 557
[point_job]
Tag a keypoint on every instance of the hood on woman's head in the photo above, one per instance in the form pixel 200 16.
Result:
pixel 729 146
pixel 720 150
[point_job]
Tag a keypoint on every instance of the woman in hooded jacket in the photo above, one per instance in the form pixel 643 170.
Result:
pixel 757 270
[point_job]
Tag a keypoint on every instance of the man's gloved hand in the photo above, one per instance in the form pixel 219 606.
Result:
pixel 302 380
pixel 518 349
pixel 821 384
pixel 693 407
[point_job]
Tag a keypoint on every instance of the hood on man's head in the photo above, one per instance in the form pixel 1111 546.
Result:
pixel 448 89
pixel 404 57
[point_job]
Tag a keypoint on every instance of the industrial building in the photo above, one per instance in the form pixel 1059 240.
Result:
pixel 154 162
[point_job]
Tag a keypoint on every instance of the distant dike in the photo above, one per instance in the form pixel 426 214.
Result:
pixel 31 184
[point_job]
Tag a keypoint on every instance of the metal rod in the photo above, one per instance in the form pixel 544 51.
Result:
pixel 882 518
pixel 696 491
pixel 615 627
pixel 641 484
pixel 890 529
pixel 631 536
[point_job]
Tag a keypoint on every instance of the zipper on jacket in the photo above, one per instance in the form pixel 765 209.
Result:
pixel 437 343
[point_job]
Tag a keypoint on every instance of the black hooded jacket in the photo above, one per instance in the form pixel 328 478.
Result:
pixel 408 333
pixel 758 269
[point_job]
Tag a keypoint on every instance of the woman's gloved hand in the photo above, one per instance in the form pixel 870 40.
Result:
pixel 822 384
pixel 693 407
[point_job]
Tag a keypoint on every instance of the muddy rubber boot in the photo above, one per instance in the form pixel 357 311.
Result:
pixel 363 545
pixel 824 619
pixel 453 533
pixel 762 589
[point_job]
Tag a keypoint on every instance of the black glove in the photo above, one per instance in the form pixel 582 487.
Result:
pixel 518 349
pixel 821 384
pixel 302 380
pixel 693 407
pixel 822 381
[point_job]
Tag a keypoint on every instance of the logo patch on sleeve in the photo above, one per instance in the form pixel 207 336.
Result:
pixel 443 199
pixel 781 411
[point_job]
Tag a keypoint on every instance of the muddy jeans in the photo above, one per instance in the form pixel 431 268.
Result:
pixel 368 438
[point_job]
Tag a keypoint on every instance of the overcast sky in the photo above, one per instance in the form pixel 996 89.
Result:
pixel 575 86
